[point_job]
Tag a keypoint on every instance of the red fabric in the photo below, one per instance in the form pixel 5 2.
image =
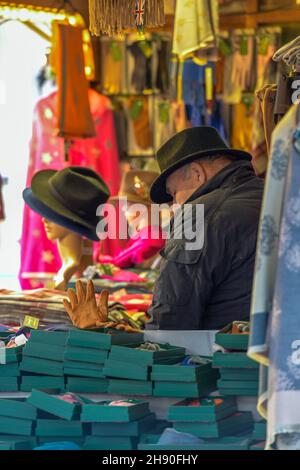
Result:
pixel 38 254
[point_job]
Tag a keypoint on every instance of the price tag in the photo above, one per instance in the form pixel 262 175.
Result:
pixel 31 322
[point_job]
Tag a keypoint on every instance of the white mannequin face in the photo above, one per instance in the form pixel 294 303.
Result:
pixel 54 231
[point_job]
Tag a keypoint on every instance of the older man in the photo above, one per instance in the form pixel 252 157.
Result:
pixel 209 286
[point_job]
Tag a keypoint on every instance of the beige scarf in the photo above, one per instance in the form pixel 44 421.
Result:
pixel 114 16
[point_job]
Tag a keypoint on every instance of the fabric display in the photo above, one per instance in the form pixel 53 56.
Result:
pixel 274 321
pixel 38 254
pixel 138 109
pixel 112 66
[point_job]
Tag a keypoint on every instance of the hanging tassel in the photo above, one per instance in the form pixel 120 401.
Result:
pixel 112 17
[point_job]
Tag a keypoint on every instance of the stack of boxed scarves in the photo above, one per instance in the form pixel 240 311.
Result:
pixel 239 374
pixel 161 370
pixel 10 357
pixel 46 418
pixel 204 424
pixel 42 365
pixel 85 355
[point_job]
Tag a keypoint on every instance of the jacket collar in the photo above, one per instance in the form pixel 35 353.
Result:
pixel 233 173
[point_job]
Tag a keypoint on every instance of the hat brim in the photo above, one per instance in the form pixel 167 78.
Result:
pixel 40 208
pixel 40 188
pixel 158 192
pixel 130 199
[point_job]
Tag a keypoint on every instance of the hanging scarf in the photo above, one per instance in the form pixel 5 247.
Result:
pixel 114 16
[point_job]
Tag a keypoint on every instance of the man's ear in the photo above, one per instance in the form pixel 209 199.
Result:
pixel 197 171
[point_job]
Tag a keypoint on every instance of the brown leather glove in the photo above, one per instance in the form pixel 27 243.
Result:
pixel 83 309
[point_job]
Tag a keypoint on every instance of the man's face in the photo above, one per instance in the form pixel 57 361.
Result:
pixel 54 231
pixel 184 182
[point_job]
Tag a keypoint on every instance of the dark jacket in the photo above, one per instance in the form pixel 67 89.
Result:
pixel 210 287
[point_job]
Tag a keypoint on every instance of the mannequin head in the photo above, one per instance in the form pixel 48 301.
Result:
pixel 54 231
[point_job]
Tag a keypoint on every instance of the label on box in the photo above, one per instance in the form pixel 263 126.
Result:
pixel 21 340
pixel 31 322
pixel 2 353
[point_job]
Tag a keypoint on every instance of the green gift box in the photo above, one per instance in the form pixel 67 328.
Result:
pixel 238 423
pixel 44 351
pixel 130 387
pixel 180 373
pixel 130 429
pixel 22 427
pixel 125 370
pixel 94 374
pixel 260 430
pixel 86 385
pixel 234 342
pixel 12 437
pixel 17 409
pixel 13 355
pixel 239 384
pixel 95 356
pixel 9 370
pixel 239 374
pixel 41 366
pixel 144 358
pixel 29 382
pixel 184 389
pixel 83 365
pixel 15 445
pixel 55 338
pixel 58 428
pixel 103 412
pixel 9 384
pixel 97 340
pixel 234 360
pixel 202 410
pixel 49 439
pixel 229 443
pixel 238 392
pixel 55 405
pixel 110 443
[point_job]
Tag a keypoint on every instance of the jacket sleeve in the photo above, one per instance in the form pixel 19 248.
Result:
pixel 187 281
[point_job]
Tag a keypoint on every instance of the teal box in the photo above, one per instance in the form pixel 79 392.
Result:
pixel 97 340
pixel 30 382
pixel 260 431
pixel 180 373
pixel 238 392
pixel 183 390
pixel 95 356
pixel 44 351
pixel 234 342
pixel 202 410
pixel 55 338
pixel 103 412
pixel 22 427
pixel 50 439
pixel 42 366
pixel 236 424
pixel 125 370
pixel 9 384
pixel 235 360
pixel 13 354
pixel 147 358
pixel 58 428
pixel 239 374
pixel 95 374
pixel 239 384
pixel 56 406
pixel 86 385
pixel 130 387
pixel 83 365
pixel 131 429
pixel 9 370
pixel 12 437
pixel 229 443
pixel 17 409
pixel 15 445
pixel 110 443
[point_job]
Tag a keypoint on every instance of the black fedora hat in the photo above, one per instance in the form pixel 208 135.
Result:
pixel 184 147
pixel 68 197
